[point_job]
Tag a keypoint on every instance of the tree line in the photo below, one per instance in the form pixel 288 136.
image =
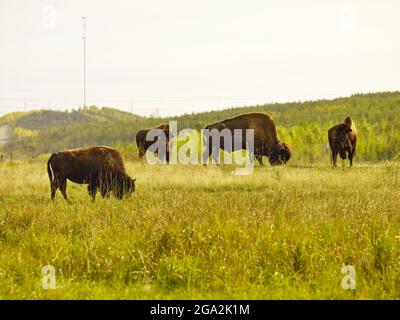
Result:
pixel 303 125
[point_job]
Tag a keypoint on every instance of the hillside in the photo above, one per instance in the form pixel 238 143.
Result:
pixel 43 131
pixel 45 119
pixel 301 124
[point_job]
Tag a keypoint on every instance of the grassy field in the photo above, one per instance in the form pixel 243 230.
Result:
pixel 191 232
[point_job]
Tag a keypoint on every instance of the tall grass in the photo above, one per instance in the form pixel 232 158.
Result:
pixel 195 232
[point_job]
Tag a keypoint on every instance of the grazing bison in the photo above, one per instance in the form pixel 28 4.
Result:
pixel 343 139
pixel 102 168
pixel 143 144
pixel 266 142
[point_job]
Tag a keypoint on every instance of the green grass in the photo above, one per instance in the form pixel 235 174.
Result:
pixel 191 232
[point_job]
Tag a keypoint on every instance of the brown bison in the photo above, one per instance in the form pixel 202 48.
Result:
pixel 102 168
pixel 143 145
pixel 266 142
pixel 343 139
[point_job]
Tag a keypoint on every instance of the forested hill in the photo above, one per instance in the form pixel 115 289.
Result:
pixel 43 131
pixel 301 124
pixel 45 119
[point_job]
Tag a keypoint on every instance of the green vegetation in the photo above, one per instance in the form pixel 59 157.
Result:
pixel 206 233
pixel 194 232
pixel 303 125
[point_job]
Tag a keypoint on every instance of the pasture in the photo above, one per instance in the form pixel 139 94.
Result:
pixel 191 232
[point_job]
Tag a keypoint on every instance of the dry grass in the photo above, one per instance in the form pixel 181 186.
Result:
pixel 194 232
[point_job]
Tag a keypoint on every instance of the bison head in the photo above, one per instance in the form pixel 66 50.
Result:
pixel 341 136
pixel 279 154
pixel 125 186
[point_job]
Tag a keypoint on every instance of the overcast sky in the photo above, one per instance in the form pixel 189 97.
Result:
pixel 181 56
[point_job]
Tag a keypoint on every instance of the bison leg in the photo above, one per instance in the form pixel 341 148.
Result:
pixel 53 192
pixel 92 189
pixel 105 192
pixel 334 157
pixel 63 189
pixel 55 184
pixel 54 187
pixel 207 150
pixel 351 156
pixel 105 189
pixel 206 156
pixel 260 160
pixel 215 154
pixel 105 184
pixel 343 156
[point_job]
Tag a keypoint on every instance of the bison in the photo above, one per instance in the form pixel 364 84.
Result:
pixel 102 168
pixel 266 142
pixel 343 139
pixel 143 144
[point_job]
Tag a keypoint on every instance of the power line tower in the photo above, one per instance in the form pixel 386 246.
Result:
pixel 84 59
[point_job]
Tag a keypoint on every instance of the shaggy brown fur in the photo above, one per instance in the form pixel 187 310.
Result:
pixel 143 145
pixel 100 167
pixel 343 140
pixel 266 142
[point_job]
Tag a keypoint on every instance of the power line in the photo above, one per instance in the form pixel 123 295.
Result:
pixel 84 60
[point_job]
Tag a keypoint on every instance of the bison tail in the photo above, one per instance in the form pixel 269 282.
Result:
pixel 49 168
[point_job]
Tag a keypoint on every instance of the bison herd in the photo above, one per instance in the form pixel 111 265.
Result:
pixel 103 170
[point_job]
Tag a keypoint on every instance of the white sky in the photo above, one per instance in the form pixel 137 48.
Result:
pixel 182 56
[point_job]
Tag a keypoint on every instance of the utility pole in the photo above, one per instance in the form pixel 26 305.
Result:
pixel 84 60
